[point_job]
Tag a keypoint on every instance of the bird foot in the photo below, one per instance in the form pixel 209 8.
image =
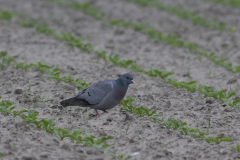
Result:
pixel 97 114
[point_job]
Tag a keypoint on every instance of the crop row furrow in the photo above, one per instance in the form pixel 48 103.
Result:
pixel 233 3
pixel 31 116
pixel 181 13
pixel 144 115
pixel 152 33
pixel 221 95
pixel 171 123
pixel 54 73
pixel 208 91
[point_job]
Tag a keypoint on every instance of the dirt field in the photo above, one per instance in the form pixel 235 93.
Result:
pixel 132 134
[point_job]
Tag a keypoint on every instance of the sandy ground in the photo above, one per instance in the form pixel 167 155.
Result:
pixel 19 140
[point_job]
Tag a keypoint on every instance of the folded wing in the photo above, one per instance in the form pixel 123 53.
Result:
pixel 95 93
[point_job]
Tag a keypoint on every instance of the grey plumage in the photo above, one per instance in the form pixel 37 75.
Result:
pixel 102 95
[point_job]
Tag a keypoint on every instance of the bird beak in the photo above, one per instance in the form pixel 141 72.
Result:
pixel 132 82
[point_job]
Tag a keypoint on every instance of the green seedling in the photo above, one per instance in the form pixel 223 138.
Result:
pixel 121 23
pixel 143 110
pixel 218 139
pixel 0 97
pixel 69 38
pixel 236 147
pixel 181 13
pixel 6 61
pixel 3 54
pixel 55 74
pixel 75 42
pixel 136 68
pixel 61 133
pixel 90 141
pixel 40 97
pixel 231 93
pixel 193 131
pixel 45 30
pixel 29 89
pixel 129 108
pixel 234 3
pixel 197 134
pixel 180 127
pixel 5 107
pixel 233 29
pixel 1 155
pixel 103 55
pixel 41 67
pixel 82 84
pixel 64 133
pixel 86 47
pixel 162 74
pixel 67 78
pixel 232 103
pixel 29 24
pixel 116 155
pixel 185 130
pixel 5 15
pixel 75 135
pixel 115 132
pixel 128 101
pixel 115 59
pixel 87 8
pixel 16 113
pixel 6 103
pixel 31 118
pixel 48 125
pixel 189 86
pixel 173 124
pixel 127 105
pixel 72 41
pixel 49 100
pixel 22 65
pixel 121 156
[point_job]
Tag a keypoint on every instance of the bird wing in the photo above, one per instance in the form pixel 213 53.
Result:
pixel 96 92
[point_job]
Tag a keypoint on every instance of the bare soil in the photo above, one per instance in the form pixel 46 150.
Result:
pixel 132 133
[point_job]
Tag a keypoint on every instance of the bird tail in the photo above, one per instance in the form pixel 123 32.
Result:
pixel 71 102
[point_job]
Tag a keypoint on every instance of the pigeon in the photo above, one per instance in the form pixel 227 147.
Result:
pixel 103 95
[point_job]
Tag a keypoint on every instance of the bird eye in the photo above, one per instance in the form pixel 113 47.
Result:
pixel 127 77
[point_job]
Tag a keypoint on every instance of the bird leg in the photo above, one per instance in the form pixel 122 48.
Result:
pixel 105 111
pixel 96 112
